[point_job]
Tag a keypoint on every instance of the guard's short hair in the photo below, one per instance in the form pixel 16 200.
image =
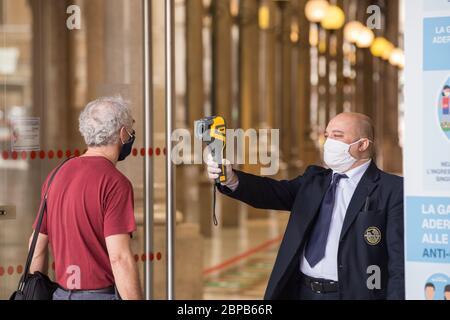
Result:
pixel 363 124
pixel 367 128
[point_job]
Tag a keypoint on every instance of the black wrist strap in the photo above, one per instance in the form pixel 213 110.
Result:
pixel 215 221
pixel 43 206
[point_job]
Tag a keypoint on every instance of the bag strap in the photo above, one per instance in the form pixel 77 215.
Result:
pixel 37 230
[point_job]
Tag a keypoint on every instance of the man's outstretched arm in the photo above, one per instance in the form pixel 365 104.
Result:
pixel 258 192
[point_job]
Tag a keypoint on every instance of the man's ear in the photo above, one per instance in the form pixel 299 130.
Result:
pixel 365 146
pixel 122 135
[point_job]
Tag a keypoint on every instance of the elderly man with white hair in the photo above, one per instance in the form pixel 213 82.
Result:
pixel 89 218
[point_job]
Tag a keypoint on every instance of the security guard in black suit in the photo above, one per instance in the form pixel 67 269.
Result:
pixel 370 250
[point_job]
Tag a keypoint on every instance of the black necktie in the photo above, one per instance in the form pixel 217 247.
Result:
pixel 315 249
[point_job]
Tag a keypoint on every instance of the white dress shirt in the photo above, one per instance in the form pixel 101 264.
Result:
pixel 327 267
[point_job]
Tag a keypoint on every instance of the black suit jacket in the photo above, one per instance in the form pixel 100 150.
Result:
pixel 303 197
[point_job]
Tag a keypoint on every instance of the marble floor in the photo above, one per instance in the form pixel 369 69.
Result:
pixel 238 261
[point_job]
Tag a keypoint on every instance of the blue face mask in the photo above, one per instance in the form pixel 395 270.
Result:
pixel 127 147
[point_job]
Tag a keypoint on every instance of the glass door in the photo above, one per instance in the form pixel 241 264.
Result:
pixel 55 57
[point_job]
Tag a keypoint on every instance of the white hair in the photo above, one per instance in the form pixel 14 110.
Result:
pixel 102 119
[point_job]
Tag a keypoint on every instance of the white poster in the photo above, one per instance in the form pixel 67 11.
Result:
pixel 427 149
pixel 25 134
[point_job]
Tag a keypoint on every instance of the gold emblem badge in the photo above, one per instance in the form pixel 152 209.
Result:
pixel 372 236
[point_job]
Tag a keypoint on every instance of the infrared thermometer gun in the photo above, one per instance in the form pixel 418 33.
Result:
pixel 213 132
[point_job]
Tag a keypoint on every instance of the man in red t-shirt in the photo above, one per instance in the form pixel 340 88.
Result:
pixel 90 212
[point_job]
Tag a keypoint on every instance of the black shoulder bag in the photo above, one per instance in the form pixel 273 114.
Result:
pixel 37 286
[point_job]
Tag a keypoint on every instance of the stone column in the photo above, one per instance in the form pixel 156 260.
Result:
pixel 194 68
pixel 268 53
pixel 195 98
pixel 364 71
pixel 249 80
pixel 308 154
pixel 249 76
pixel 391 152
pixel 94 21
pixel 340 66
pixel 50 66
pixel 222 89
pixel 322 88
pixel 77 77
pixel 285 81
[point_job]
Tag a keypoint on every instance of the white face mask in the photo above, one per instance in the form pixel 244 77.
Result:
pixel 337 155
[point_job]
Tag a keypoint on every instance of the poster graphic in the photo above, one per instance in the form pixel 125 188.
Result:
pixel 437 287
pixel 427 149
pixel 443 109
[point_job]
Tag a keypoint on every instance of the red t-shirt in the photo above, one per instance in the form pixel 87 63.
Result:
pixel 89 200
